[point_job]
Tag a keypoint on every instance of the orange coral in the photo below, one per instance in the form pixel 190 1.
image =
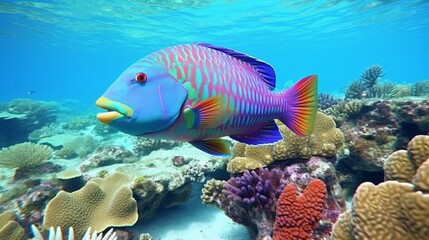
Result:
pixel 297 216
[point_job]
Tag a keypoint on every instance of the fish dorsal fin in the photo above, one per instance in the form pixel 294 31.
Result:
pixel 264 69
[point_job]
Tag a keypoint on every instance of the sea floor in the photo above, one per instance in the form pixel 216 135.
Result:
pixel 192 220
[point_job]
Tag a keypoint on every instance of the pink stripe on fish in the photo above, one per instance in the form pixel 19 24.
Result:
pixel 179 73
pixel 170 56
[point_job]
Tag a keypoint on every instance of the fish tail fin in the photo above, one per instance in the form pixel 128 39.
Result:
pixel 301 106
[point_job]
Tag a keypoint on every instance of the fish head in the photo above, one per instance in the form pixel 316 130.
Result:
pixel 144 99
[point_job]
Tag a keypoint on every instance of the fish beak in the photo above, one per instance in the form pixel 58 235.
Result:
pixel 116 110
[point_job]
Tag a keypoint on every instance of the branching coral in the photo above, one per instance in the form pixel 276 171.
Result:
pixel 370 75
pixel 384 90
pixel 296 216
pixel 420 88
pixel 355 90
pixel 24 155
pixel 326 100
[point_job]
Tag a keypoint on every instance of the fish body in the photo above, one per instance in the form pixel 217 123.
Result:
pixel 199 92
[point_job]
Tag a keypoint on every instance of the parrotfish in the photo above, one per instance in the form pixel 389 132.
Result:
pixel 199 93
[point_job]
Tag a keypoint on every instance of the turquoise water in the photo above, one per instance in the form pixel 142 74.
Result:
pixel 75 49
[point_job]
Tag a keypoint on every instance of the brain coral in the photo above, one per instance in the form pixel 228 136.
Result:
pixel 101 203
pixel 392 209
pixel 325 141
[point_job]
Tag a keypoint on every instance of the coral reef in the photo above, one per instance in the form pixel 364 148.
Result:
pixel 369 87
pixel 151 195
pixel 167 185
pixel 384 90
pixel 256 188
pixel 22 117
pixel 212 192
pixel 105 156
pixel 326 100
pixel 179 161
pixel 249 198
pixel 195 171
pixel 24 155
pixel 246 157
pixel 79 123
pixel 46 131
pixel 420 88
pixel 65 152
pixel 355 90
pixel 370 76
pixel 144 146
pixel 82 145
pixel 325 141
pixel 404 204
pixel 101 203
pixel 30 205
pixel 297 217
pixel 379 128
pixel 104 130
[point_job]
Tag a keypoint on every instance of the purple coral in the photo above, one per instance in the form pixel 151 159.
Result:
pixel 326 100
pixel 255 188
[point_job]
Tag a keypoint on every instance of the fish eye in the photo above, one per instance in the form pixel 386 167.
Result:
pixel 141 77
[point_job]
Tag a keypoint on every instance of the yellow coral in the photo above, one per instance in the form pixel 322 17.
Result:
pixel 392 209
pixel 254 157
pixel 101 203
pixel 398 167
pixel 342 228
pixel 212 191
pixel 421 180
pixel 418 149
pixel 9 228
pixel 24 155
pixel 325 141
pixel 402 164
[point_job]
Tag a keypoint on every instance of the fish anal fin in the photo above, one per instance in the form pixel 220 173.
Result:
pixel 268 133
pixel 206 114
pixel 216 146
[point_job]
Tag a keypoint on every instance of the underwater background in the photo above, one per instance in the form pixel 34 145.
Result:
pixel 369 146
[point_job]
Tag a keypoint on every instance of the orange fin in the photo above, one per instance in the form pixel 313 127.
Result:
pixel 216 146
pixel 206 114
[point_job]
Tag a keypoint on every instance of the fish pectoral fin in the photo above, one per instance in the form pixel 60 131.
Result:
pixel 268 133
pixel 206 114
pixel 216 146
